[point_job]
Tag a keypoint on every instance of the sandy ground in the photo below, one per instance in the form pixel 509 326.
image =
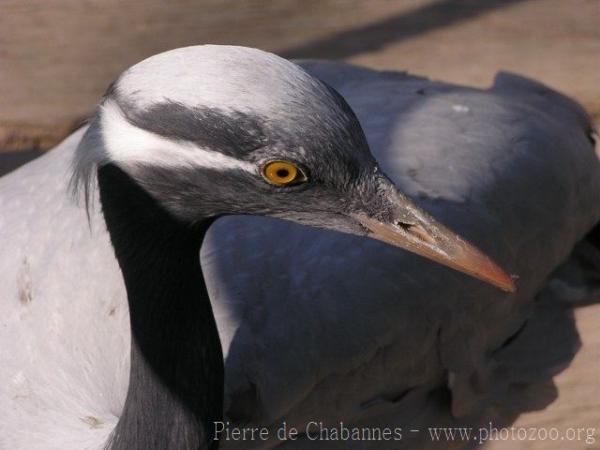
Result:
pixel 57 58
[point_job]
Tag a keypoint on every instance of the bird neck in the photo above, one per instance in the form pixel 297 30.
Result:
pixel 176 381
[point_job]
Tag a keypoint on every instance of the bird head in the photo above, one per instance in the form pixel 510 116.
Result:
pixel 213 130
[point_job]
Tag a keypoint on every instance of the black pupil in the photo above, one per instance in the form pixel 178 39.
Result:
pixel 283 173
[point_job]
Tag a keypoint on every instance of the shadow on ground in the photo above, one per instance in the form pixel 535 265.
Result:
pixel 9 161
pixel 391 30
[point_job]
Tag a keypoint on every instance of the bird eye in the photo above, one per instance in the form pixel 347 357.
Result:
pixel 283 173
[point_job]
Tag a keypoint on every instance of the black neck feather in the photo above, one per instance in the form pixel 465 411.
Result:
pixel 176 381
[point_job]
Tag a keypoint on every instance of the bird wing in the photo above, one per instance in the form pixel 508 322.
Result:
pixel 64 321
pixel 320 326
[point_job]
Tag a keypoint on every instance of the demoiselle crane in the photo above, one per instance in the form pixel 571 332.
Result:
pixel 316 327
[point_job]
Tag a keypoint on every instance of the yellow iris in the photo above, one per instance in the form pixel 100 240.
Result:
pixel 282 173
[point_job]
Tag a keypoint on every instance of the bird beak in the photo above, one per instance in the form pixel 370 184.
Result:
pixel 410 228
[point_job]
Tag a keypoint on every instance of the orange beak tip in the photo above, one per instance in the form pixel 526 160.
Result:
pixel 511 286
pixel 505 282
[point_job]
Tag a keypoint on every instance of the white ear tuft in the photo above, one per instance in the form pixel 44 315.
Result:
pixel 128 144
pixel 89 155
pixel 112 138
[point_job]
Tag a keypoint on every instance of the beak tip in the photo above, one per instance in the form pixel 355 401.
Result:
pixel 450 250
pixel 500 278
pixel 509 285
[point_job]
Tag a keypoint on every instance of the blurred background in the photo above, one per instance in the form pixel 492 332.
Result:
pixel 57 58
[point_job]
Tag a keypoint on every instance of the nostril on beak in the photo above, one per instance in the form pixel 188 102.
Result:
pixel 416 231
pixel 403 225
